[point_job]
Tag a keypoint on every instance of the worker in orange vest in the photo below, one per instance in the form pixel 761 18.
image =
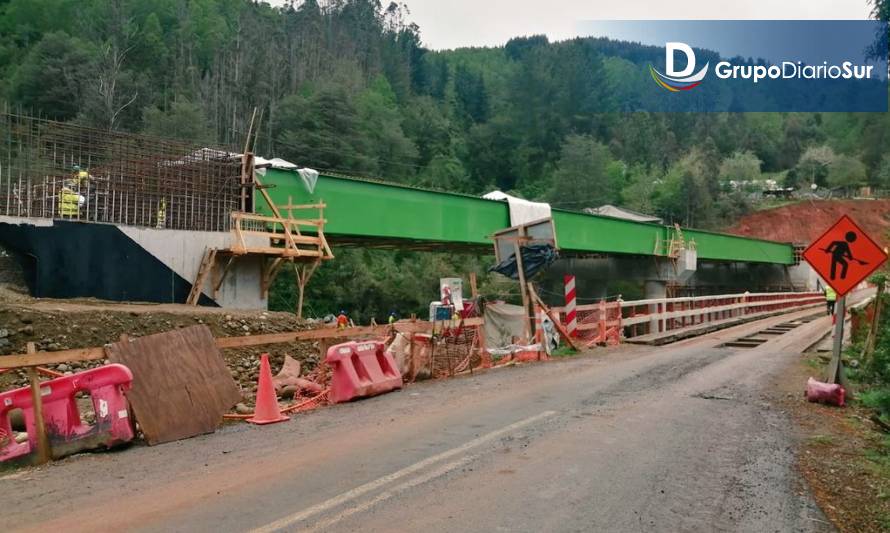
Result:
pixel 342 320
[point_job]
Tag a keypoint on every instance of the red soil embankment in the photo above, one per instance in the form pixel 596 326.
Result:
pixel 803 222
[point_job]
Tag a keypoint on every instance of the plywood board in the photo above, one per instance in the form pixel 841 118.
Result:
pixel 181 386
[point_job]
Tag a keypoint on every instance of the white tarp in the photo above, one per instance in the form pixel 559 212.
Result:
pixel 308 175
pixel 310 178
pixel 504 326
pixel 521 211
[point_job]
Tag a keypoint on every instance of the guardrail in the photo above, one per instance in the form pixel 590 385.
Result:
pixel 661 315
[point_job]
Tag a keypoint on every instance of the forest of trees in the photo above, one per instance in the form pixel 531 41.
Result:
pixel 347 85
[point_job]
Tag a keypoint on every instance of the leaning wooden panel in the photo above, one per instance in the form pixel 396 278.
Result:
pixel 181 386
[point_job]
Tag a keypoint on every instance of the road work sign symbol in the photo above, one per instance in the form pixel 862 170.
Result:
pixel 844 255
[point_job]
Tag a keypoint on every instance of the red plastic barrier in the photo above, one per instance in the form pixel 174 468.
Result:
pixel 361 369
pixel 67 434
pixel 829 393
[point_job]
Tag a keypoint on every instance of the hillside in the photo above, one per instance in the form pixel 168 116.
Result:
pixel 803 222
pixel 348 85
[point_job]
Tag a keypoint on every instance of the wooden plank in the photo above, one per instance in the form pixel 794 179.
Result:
pixel 51 358
pixel 298 239
pixel 324 333
pixel 222 275
pixel 268 275
pixel 291 207
pixel 279 220
pixel 283 252
pixel 328 254
pixel 554 319
pixel 245 167
pixel 520 269
pixel 181 386
pixel 259 186
pixel 207 262
pixel 44 452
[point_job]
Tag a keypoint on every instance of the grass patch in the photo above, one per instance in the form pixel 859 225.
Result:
pixel 875 399
pixel 564 351
pixel 814 362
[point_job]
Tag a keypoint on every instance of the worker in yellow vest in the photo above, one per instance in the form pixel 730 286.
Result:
pixel 830 299
pixel 162 214
pixel 80 178
pixel 69 203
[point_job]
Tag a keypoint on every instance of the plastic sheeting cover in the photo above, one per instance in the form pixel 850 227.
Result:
pixel 521 211
pixel 535 258
pixel 310 178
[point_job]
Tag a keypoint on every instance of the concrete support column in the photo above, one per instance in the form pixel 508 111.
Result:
pixel 655 289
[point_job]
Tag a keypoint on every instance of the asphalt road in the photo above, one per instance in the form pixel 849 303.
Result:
pixel 677 438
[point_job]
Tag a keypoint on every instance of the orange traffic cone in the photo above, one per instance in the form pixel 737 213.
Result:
pixel 266 410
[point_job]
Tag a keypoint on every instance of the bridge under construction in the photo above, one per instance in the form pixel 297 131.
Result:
pixel 90 213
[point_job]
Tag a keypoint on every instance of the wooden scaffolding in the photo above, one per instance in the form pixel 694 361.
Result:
pixel 286 239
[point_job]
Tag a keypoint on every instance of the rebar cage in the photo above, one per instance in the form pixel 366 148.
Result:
pixel 63 171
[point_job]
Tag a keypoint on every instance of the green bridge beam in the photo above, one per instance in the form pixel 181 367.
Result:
pixel 370 212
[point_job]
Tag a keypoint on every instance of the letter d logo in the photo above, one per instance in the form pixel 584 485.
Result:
pixel 674 80
pixel 671 50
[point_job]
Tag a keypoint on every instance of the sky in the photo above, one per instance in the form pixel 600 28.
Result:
pixel 448 24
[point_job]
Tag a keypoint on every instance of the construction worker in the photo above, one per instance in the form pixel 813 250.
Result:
pixel 69 203
pixel 162 214
pixel 342 320
pixel 392 318
pixel 830 299
pixel 79 178
pixel 455 318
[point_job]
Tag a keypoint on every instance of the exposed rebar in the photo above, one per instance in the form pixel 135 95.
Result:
pixel 130 179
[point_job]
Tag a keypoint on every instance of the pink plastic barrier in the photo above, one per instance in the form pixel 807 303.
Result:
pixel 828 393
pixel 361 369
pixel 67 434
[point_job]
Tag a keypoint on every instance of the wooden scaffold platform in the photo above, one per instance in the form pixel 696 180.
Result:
pixel 279 240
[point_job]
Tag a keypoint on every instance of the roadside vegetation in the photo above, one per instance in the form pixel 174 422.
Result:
pixel 871 373
pixel 851 471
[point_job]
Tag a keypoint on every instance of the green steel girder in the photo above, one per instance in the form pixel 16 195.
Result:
pixel 368 211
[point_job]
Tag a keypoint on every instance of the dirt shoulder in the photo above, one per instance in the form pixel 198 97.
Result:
pixel 841 453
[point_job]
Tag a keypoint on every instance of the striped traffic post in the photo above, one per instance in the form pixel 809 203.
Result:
pixel 571 312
